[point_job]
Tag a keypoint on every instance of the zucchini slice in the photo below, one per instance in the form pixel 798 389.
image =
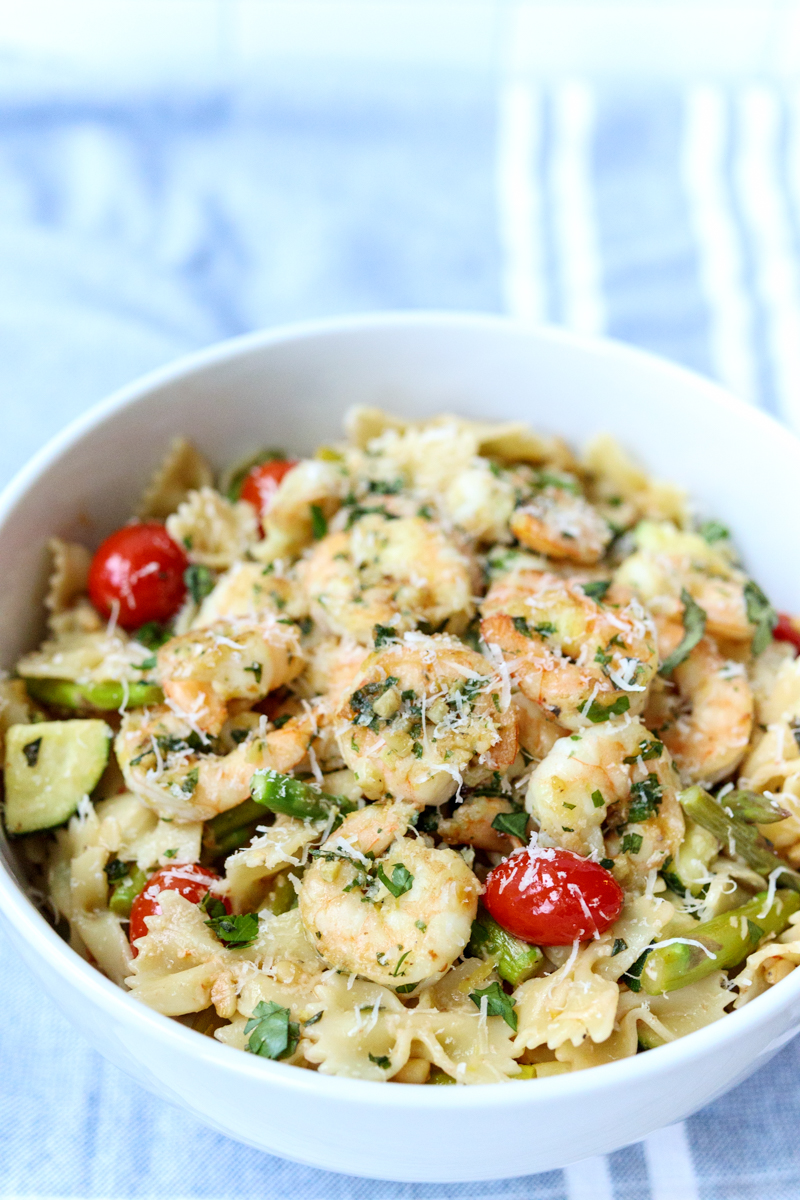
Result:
pixel 50 766
pixel 107 695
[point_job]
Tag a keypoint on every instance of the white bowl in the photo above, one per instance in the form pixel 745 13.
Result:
pixel 290 387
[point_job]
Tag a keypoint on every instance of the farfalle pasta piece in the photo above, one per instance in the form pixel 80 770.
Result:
pixel 366 1033
pixel 183 470
pixel 617 476
pixel 769 964
pixel 307 497
pixel 571 1004
pixel 180 961
pixel 68 577
pixel 85 650
pixel 284 844
pixel 213 532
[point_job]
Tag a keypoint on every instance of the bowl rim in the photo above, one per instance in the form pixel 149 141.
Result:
pixel 28 923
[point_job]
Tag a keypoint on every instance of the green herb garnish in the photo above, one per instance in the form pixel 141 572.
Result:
pixel 498 1003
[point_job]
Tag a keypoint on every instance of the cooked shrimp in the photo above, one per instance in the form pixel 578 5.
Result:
pixel 357 923
pixel 202 670
pixel 424 715
pixel 253 591
pixel 173 768
pixel 289 524
pixel 704 715
pixel 667 560
pixel 618 764
pixel 560 523
pixel 537 732
pixel 399 572
pixel 471 825
pixel 575 657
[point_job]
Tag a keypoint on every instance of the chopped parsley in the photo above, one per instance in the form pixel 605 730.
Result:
pixel 597 799
pixel 694 626
pixel 382 634
pixel 619 945
pixel 647 795
pixel 761 614
pixel 646 750
pixel 515 824
pixel 361 702
pixel 522 626
pixel 190 781
pixel 147 664
pixel 602 657
pixel 545 628
pixel 608 863
pixel 596 588
pixel 381 1060
pixel 235 931
pixel 199 581
pixel 256 670
pixel 401 881
pixel 280 721
pixel 633 973
pixel 498 1003
pixel 598 712
pixel 360 510
pixel 152 635
pixel 632 843
pixel 714 531
pixel 385 487
pixel 115 870
pixel 272 1034
pixel 319 522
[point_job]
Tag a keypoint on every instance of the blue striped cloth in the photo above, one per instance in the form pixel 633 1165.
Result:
pixel 134 228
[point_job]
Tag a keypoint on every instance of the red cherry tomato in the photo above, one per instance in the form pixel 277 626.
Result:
pixel 552 897
pixel 262 482
pixel 187 879
pixel 140 568
pixel 785 631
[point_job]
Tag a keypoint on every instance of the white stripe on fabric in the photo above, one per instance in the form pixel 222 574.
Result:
pixel 670 1169
pixel 519 201
pixel 577 253
pixel 718 247
pixel 589 1180
pixel 764 206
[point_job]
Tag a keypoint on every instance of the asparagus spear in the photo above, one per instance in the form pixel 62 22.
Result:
pixel 722 942
pixel 752 808
pixel 516 960
pixel 229 830
pixel 737 834
pixel 283 794
pixel 126 891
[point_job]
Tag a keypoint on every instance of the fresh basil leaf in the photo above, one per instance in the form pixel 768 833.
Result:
pixel 619 945
pixel 633 973
pixel 515 824
pixel 235 931
pixel 381 1060
pixel 272 1034
pixel 498 1003
pixel 115 870
pixel 761 614
pixel 522 626
pixel 694 626
pixel 401 881
pixel 382 634
pixel 632 843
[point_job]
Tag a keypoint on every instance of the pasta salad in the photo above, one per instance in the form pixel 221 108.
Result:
pixel 445 756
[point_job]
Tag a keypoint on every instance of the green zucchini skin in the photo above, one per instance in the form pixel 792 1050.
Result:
pixel 49 767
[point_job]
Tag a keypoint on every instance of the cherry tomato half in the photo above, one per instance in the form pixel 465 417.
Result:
pixel 262 482
pixel 141 568
pixel 786 631
pixel 187 879
pixel 552 897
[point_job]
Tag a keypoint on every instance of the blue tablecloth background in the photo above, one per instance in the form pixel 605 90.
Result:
pixel 139 224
